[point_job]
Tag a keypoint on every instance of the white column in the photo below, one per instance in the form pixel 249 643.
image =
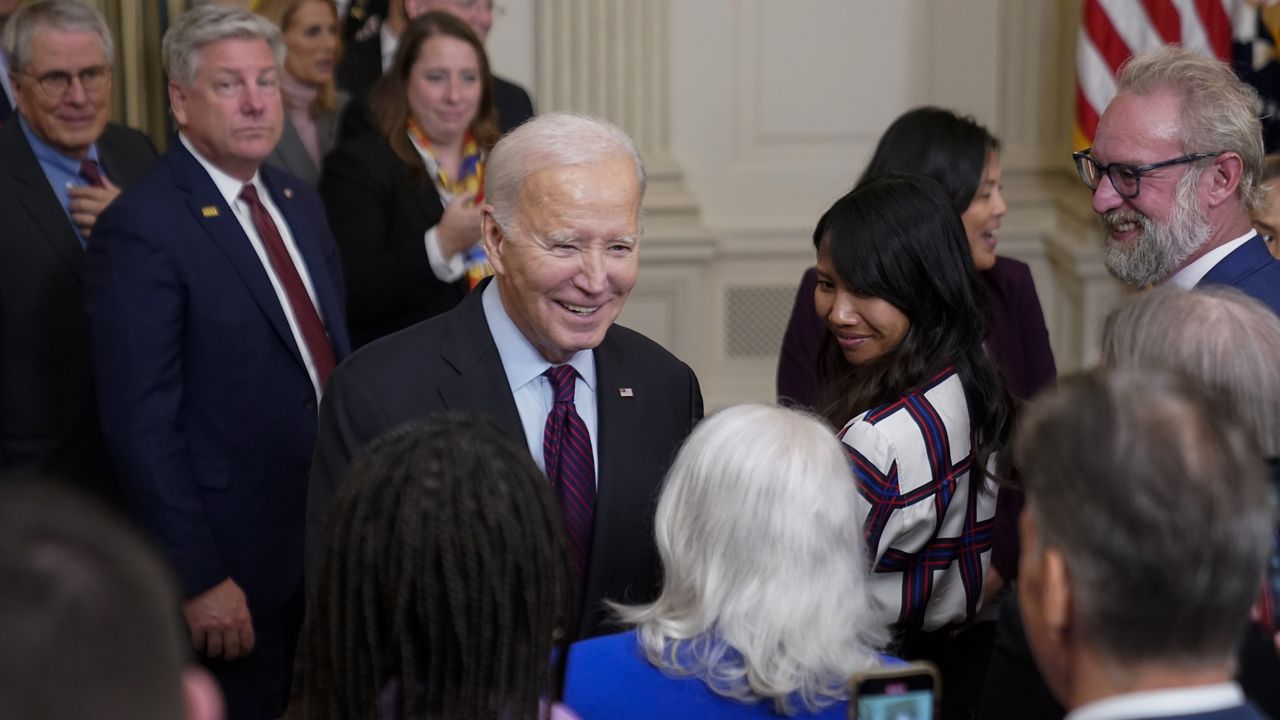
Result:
pixel 609 59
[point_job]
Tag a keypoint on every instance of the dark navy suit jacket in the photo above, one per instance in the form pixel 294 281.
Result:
pixel 48 411
pixel 450 362
pixel 208 409
pixel 1250 268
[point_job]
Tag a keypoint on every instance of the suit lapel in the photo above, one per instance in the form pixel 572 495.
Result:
pixel 211 212
pixel 616 413
pixel 38 198
pixel 618 424
pixel 481 383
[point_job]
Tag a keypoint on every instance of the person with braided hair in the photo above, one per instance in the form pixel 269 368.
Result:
pixel 445 587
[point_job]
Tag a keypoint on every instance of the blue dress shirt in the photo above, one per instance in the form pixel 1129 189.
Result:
pixel 531 390
pixel 60 170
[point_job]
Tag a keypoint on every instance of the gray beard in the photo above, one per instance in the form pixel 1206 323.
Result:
pixel 1161 247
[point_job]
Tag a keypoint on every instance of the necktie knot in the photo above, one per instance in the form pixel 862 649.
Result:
pixel 89 171
pixel 563 381
pixel 249 194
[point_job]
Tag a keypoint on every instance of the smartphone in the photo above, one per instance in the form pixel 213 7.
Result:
pixel 896 692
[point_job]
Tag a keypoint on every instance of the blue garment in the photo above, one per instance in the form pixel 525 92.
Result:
pixel 532 392
pixel 609 677
pixel 61 170
pixel 1251 269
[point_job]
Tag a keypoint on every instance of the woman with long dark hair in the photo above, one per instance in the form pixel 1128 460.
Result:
pixel 964 158
pixel 920 404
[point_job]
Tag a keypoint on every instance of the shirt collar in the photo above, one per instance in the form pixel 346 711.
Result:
pixel 47 155
pixel 1187 277
pixel 1162 703
pixel 229 187
pixel 520 359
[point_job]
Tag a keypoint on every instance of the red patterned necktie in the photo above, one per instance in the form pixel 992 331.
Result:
pixel 566 452
pixel 304 311
pixel 89 171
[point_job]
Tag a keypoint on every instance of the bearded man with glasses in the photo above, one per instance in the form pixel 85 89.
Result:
pixel 61 164
pixel 1175 168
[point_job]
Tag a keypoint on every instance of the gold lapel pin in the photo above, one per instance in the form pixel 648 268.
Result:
pixel 625 392
pixel 209 211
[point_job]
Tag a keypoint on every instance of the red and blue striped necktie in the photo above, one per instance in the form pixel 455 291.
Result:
pixel 566 452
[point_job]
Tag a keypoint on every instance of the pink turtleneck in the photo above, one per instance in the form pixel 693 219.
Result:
pixel 299 98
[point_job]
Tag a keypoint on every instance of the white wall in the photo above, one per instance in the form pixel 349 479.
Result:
pixel 772 109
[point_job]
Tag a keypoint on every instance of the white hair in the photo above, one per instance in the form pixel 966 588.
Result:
pixel 765 592
pixel 547 141
pixel 207 24
pixel 1217 336
pixel 64 15
pixel 1219 111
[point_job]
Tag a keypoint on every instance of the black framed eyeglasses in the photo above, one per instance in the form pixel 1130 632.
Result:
pixel 56 84
pixel 1124 178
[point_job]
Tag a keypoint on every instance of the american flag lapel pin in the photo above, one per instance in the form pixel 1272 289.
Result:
pixel 625 392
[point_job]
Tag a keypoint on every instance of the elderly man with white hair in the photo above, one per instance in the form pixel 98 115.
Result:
pixel 601 408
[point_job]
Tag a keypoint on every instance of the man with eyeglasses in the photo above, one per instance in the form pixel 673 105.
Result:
pixel 214 295
pixel 61 163
pixel 1175 167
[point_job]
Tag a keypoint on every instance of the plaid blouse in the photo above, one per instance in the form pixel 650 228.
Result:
pixel 928 524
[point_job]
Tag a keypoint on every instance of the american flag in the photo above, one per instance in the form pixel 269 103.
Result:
pixel 1113 30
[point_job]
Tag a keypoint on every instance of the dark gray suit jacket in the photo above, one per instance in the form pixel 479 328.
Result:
pixel 291 155
pixel 450 362
pixel 48 412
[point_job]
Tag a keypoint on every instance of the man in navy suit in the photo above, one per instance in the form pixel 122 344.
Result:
pixel 1175 167
pixel 1147 526
pixel 216 316
pixel 562 230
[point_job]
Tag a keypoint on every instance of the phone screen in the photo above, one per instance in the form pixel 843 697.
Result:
pixel 898 693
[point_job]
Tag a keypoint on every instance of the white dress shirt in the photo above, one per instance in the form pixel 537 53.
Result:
pixel 531 390
pixel 1162 703
pixel 230 189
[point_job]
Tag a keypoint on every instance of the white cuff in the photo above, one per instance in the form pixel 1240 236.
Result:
pixel 445 270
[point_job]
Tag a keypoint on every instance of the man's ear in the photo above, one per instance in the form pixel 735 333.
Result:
pixel 494 239
pixel 201 698
pixel 178 104
pixel 1224 176
pixel 1057 598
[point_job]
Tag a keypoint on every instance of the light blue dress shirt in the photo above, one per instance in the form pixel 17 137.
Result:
pixel 531 390
pixel 61 171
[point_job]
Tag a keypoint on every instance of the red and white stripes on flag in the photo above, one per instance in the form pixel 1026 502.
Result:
pixel 1113 30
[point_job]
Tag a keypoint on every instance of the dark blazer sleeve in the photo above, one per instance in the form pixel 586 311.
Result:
pixel 513 103
pixel 1018 338
pixel 126 154
pixel 380 217
pixel 350 416
pixel 798 382
pixel 136 304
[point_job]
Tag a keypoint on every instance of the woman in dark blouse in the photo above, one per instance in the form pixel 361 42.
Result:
pixel 964 158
